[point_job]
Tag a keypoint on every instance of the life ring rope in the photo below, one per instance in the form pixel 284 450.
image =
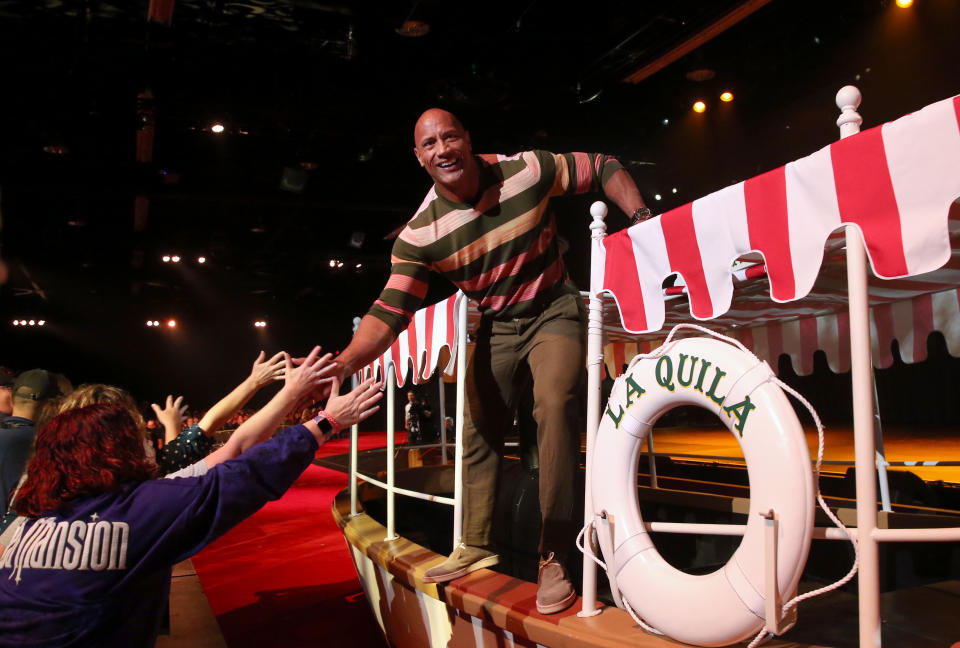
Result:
pixel 590 527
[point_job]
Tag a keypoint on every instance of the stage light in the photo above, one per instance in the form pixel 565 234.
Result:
pixel 41 322
pixel 23 322
pixel 674 190
pixel 217 128
pixel 333 263
pixel 156 323
pixel 166 258
pixel 657 197
pixel 260 324
pixel 31 323
pixel 16 322
pixel 903 4
pixel 175 258
pixel 359 265
pixel 172 323
pixel 665 122
pixel 339 264
pixel 201 259
pixel 149 322
pixel 699 107
pixel 726 97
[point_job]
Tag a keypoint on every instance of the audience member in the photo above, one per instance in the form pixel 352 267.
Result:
pixel 31 390
pixel 91 566
pixel 6 393
pixel 186 447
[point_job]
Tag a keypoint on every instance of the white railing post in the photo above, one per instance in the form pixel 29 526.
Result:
pixel 461 408
pixel 354 436
pixel 881 454
pixel 598 230
pixel 443 418
pixel 391 427
pixel 868 590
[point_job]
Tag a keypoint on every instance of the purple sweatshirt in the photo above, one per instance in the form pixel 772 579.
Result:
pixel 97 571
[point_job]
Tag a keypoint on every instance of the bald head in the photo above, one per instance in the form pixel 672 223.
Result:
pixel 431 116
pixel 443 149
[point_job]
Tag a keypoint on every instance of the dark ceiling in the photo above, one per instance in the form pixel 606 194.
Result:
pixel 318 102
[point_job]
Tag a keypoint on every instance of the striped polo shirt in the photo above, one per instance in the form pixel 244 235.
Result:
pixel 501 250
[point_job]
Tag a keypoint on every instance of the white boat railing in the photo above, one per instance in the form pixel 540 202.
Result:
pixel 867 458
pixel 390 383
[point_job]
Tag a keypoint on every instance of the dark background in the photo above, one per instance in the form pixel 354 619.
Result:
pixel 322 98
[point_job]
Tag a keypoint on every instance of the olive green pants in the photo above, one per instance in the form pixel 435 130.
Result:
pixel 548 349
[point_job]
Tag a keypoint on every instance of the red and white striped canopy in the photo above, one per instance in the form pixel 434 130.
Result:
pixel 895 183
pixel 418 346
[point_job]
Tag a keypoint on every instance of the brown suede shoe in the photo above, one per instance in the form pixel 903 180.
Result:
pixel 554 590
pixel 461 562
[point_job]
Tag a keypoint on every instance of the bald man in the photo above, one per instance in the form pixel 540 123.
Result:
pixel 484 226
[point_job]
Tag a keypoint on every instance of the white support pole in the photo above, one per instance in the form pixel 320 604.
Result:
pixel 598 230
pixel 354 436
pixel 848 100
pixel 443 419
pixel 881 455
pixel 391 434
pixel 461 409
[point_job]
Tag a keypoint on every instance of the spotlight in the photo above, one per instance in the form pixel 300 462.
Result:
pixel 657 197
pixel 699 107
pixel 674 190
pixel 726 97
pixel 175 258
pixel 260 324
pixel 41 322
pixel 339 264
pixel 156 323
pixel 333 263
pixel 359 265
pixel 23 322
pixel 149 322
pixel 903 4
pixel 166 258
pixel 16 322
pixel 665 122
pixel 217 128
pixel 202 259
pixel 172 323
pixel 31 323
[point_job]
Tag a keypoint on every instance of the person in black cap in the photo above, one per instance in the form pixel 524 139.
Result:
pixel 30 390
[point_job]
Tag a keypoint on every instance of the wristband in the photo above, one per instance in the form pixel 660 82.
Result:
pixel 640 214
pixel 331 421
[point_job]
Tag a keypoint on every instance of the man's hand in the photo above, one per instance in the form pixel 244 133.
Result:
pixel 173 415
pixel 357 405
pixel 267 371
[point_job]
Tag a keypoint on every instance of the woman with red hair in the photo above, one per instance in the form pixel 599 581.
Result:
pixel 91 566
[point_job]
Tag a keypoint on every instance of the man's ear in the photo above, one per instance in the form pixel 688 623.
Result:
pixel 416 153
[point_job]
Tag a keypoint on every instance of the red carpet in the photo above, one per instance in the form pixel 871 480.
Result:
pixel 283 577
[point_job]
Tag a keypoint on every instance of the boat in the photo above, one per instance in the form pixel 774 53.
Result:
pixel 770 289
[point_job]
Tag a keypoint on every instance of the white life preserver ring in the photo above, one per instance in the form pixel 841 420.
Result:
pixel 727 605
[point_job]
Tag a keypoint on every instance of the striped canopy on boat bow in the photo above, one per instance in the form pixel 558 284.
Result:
pixel 779 236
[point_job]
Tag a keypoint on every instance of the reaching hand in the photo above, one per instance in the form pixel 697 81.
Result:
pixel 357 405
pixel 173 415
pixel 266 371
pixel 306 379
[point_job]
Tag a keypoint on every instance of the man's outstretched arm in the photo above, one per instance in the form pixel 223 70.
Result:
pixel 372 338
pixel 622 190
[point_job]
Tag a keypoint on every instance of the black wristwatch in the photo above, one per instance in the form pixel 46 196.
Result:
pixel 640 214
pixel 323 423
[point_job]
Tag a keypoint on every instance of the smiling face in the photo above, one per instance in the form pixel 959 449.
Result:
pixel 442 147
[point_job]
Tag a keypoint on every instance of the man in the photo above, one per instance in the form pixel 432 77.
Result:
pixel 484 226
pixel 30 390
pixel 6 393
